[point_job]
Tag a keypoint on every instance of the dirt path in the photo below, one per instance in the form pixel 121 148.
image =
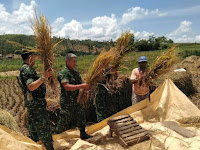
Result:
pixel 9 73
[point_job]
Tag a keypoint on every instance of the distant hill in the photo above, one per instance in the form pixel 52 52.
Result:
pixel 79 47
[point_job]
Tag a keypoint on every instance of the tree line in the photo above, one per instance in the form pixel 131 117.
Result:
pixel 82 47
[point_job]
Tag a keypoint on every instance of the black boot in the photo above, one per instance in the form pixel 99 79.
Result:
pixel 83 134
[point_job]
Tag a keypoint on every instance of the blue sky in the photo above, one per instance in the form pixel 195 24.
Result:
pixel 106 19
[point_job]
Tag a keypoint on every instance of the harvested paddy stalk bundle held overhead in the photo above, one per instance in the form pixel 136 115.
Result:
pixel 121 47
pixel 161 65
pixel 44 45
pixel 99 68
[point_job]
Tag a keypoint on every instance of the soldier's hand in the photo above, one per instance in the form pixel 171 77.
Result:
pixel 85 86
pixel 48 73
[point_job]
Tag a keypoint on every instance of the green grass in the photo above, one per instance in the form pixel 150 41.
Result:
pixel 188 49
pixel 129 62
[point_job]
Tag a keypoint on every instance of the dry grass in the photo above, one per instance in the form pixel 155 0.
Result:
pixel 191 121
pixel 101 66
pixel 6 119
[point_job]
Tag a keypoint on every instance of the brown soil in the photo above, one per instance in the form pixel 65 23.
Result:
pixel 9 73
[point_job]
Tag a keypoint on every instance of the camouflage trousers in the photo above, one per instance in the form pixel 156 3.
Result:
pixel 39 126
pixel 101 98
pixel 71 115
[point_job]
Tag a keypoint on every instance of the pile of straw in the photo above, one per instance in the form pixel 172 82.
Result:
pixel 6 119
pixel 103 62
pixel 161 65
pixel 190 121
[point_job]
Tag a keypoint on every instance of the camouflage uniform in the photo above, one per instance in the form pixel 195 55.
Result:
pixel 71 111
pixel 39 127
pixel 101 99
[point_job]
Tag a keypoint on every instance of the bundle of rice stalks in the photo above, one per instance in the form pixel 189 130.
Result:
pixel 96 73
pixel 121 47
pixel 44 45
pixel 103 62
pixel 161 65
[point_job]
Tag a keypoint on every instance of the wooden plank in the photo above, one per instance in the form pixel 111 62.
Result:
pixel 119 118
pixel 137 140
pixel 132 133
pixel 119 125
pixel 125 120
pixel 129 130
pixel 122 142
pixel 128 127
pixel 135 136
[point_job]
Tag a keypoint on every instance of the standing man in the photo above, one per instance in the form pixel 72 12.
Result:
pixel 140 92
pixel 102 96
pixel 34 98
pixel 71 112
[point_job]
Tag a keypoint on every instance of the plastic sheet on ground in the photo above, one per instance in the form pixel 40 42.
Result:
pixel 159 117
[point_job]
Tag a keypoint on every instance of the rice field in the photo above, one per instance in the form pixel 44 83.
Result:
pixel 12 100
pixel 128 63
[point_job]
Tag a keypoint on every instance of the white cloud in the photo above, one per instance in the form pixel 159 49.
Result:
pixel 16 22
pixel 184 39
pixel 103 28
pixel 143 35
pixel 185 27
pixel 184 33
pixel 57 24
pixel 136 13
pixel 197 38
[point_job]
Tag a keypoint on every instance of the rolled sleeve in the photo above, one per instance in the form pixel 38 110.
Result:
pixel 27 76
pixel 64 80
pixel 63 77
pixel 29 81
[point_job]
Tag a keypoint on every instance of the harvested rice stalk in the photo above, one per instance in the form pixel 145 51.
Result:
pixel 100 67
pixel 161 65
pixel 96 73
pixel 44 44
pixel 121 47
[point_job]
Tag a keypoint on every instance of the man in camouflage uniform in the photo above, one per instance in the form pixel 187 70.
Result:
pixel 102 97
pixel 71 112
pixel 34 97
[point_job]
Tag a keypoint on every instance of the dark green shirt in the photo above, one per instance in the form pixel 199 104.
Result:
pixel 27 76
pixel 72 77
